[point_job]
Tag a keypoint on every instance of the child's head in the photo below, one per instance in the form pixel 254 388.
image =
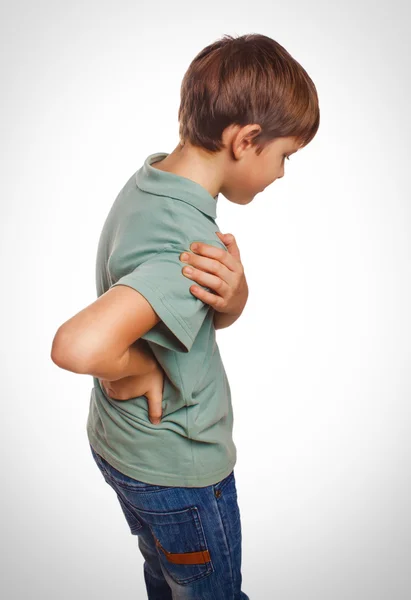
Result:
pixel 248 98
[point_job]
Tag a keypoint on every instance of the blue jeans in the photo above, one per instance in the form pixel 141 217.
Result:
pixel 190 538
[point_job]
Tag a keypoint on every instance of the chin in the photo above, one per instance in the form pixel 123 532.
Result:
pixel 236 199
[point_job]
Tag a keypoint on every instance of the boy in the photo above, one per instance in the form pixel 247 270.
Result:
pixel 160 420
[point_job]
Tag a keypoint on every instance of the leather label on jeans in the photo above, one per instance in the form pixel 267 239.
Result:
pixel 185 558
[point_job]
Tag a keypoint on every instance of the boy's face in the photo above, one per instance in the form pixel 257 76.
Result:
pixel 250 174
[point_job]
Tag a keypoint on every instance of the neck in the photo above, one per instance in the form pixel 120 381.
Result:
pixel 193 163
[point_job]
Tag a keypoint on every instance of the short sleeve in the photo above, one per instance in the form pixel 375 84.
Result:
pixel 161 281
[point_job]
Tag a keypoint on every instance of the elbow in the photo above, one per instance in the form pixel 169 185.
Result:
pixel 56 353
pixel 70 354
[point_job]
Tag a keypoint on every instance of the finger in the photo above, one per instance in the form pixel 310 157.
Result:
pixel 208 297
pixel 155 409
pixel 209 265
pixel 208 280
pixel 229 240
pixel 223 256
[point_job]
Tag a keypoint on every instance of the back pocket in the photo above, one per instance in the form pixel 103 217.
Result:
pixel 181 543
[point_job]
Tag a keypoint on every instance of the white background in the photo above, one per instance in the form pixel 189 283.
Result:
pixel 319 362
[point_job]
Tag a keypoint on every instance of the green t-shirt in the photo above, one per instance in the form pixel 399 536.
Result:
pixel 155 217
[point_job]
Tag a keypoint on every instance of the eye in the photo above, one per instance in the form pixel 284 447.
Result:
pixel 287 157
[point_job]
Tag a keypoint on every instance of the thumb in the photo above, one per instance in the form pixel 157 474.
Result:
pixel 229 240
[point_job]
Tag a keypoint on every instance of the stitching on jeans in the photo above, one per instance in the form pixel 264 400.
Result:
pixel 227 547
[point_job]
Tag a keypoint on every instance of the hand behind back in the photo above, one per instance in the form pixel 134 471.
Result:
pixel 150 385
pixel 232 292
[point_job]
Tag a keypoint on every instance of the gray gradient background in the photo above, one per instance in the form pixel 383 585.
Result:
pixel 319 363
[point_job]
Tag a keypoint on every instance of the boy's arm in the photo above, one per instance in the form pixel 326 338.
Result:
pixel 100 339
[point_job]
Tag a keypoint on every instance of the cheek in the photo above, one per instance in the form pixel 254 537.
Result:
pixel 252 183
pixel 258 179
pixel 271 173
pixel 271 178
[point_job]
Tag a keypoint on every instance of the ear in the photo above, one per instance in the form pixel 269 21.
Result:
pixel 241 139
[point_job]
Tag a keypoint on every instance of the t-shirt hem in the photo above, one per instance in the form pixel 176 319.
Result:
pixel 158 478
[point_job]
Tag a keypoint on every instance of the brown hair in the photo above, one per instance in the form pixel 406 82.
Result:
pixel 242 80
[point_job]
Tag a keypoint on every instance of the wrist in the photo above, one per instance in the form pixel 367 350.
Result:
pixel 223 320
pixel 137 360
pixel 141 359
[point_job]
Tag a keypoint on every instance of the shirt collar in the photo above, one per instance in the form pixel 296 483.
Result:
pixel 162 183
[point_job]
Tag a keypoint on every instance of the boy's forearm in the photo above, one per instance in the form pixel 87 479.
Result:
pixel 137 360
